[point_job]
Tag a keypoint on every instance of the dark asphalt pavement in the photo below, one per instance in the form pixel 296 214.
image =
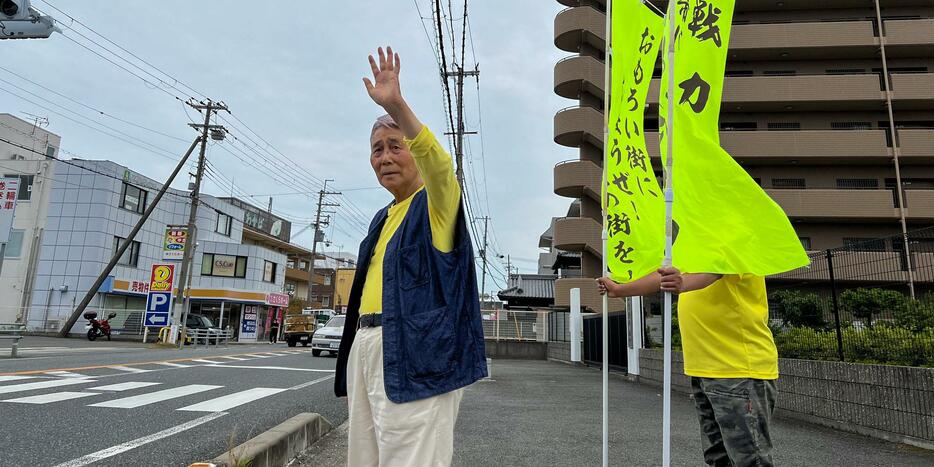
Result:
pixel 536 413
pixel 242 390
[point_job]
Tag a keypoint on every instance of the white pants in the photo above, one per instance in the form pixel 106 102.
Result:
pixel 385 434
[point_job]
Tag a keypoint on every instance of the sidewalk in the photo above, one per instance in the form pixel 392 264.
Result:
pixel 542 413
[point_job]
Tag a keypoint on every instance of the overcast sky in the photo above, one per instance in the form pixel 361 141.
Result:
pixel 291 70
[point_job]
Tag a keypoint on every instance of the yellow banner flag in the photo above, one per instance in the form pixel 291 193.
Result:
pixel 635 211
pixel 726 223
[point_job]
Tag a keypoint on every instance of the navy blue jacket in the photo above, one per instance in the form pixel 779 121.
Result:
pixel 432 330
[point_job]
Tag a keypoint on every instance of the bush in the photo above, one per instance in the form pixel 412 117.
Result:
pixel 881 344
pixel 915 315
pixel 799 308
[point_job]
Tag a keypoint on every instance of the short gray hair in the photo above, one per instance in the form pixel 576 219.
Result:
pixel 384 121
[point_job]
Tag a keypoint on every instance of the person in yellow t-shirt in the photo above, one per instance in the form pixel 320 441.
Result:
pixel 730 355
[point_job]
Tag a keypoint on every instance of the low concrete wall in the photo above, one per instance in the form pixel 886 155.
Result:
pixel 894 403
pixel 516 350
pixel 559 351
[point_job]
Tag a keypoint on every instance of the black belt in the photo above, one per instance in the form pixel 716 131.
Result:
pixel 370 320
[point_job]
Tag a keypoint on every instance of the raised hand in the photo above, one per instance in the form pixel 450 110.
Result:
pixel 386 91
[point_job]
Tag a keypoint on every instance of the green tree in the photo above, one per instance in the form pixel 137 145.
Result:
pixel 798 308
pixel 915 315
pixel 866 303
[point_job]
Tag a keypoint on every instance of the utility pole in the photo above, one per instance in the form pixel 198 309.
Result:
pixel 180 314
pixel 486 222
pixel 458 74
pixel 314 242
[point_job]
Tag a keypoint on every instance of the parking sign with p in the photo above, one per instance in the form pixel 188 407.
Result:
pixel 159 300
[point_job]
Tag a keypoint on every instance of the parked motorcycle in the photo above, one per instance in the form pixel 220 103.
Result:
pixel 99 328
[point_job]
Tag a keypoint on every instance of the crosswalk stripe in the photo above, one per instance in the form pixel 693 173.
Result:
pixel 43 385
pixel 130 369
pixel 53 397
pixel 123 386
pixel 174 365
pixel 153 397
pixel 230 401
pixel 65 374
pixel 274 354
pixel 233 358
pixel 285 368
pixel 15 378
pixel 211 362
pixel 256 355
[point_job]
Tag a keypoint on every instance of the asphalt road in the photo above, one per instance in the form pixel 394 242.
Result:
pixel 74 403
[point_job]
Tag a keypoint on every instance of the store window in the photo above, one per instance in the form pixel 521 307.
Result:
pixel 326 301
pixel 131 255
pixel 269 271
pixel 133 198
pixel 327 279
pixel 223 265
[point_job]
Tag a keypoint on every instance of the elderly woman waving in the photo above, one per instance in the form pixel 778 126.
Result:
pixel 413 336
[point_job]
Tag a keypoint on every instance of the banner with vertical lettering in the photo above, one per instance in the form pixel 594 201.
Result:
pixel 726 223
pixel 633 203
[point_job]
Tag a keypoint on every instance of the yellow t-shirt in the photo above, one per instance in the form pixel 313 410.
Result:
pixel 444 194
pixel 725 332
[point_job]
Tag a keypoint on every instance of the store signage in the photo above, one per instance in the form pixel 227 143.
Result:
pixel 225 265
pixel 9 187
pixel 277 299
pixel 159 298
pixel 173 245
pixel 248 323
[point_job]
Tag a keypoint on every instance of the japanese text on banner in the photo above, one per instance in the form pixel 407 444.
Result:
pixel 635 211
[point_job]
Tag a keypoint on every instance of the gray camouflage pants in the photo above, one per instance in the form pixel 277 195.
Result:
pixel 734 420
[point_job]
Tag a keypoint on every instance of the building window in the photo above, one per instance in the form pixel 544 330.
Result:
pixel 269 271
pixel 788 183
pixel 805 242
pixel 326 301
pixel 846 71
pixel 327 279
pixel 290 288
pixel 14 248
pixel 857 183
pixel 25 186
pixel 133 198
pixel 50 151
pixel 223 265
pixel 851 125
pixel 734 126
pixel 784 126
pixel 863 244
pixel 130 256
pixel 223 224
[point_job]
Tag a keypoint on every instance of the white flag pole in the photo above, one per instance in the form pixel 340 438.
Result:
pixel 608 53
pixel 669 201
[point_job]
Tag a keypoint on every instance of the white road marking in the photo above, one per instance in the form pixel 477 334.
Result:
pixel 271 368
pixel 233 358
pixel 274 354
pixel 15 378
pixel 120 448
pixel 53 397
pixel 43 385
pixel 230 401
pixel 211 362
pixel 65 374
pixel 158 396
pixel 130 369
pixel 123 386
pixel 255 355
pixel 174 365
pixel 310 383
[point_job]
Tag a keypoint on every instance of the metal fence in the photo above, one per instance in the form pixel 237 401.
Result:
pixel 866 301
pixel 512 325
pixel 559 326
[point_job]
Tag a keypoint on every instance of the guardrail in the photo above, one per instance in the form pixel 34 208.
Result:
pixel 12 332
pixel 208 336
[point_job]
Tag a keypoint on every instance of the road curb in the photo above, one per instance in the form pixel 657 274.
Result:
pixel 277 446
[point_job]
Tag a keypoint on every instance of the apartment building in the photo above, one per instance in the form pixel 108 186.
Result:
pixel 805 111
